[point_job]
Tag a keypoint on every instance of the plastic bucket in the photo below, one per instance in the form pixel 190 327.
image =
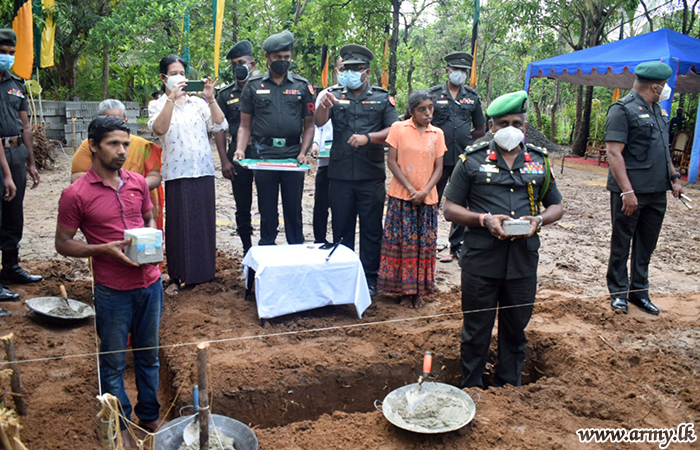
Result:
pixel 170 437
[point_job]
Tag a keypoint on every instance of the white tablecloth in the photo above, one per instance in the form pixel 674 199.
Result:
pixel 293 278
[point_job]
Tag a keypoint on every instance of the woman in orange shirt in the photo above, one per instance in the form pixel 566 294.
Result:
pixel 416 149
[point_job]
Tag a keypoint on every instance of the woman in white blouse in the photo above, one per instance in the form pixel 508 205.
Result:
pixel 182 123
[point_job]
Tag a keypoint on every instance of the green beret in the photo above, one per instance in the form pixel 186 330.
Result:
pixel 653 70
pixel 280 42
pixel 513 103
pixel 8 37
pixel 356 54
pixel 461 60
pixel 242 48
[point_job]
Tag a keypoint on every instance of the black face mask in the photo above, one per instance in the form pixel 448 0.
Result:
pixel 280 67
pixel 241 72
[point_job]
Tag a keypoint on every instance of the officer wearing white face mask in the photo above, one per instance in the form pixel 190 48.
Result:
pixel 459 115
pixel 636 136
pixel 362 116
pixel 492 183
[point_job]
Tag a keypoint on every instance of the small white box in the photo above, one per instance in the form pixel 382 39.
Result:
pixel 516 227
pixel 146 245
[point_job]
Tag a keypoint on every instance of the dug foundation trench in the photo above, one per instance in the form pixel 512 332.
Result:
pixel 269 388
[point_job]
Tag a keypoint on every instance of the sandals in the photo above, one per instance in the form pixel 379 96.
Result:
pixel 171 291
pixel 446 257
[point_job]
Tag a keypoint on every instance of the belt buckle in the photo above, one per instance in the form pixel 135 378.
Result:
pixel 279 142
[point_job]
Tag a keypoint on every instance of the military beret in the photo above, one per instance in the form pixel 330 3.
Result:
pixel 356 54
pixel 513 103
pixel 8 37
pixel 460 60
pixel 653 70
pixel 279 42
pixel 242 48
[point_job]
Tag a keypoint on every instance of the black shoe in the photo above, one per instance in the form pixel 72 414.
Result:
pixel 16 275
pixel 7 295
pixel 619 304
pixel 372 291
pixel 457 252
pixel 645 305
pixel 5 313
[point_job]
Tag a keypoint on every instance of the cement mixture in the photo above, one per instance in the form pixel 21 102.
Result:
pixel 67 311
pixel 217 441
pixel 435 411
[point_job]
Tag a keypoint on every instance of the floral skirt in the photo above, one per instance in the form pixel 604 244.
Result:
pixel 407 262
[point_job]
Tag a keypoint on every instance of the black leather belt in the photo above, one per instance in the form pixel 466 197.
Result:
pixel 277 142
pixel 13 141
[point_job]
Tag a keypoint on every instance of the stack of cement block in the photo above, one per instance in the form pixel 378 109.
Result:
pixel 54 114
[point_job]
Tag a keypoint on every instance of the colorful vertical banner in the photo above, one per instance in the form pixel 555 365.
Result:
pixel 616 95
pixel 324 66
pixel 185 41
pixel 218 13
pixel 475 41
pixel 47 36
pixel 23 24
pixel 385 66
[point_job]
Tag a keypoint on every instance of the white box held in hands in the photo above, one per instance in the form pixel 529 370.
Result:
pixel 516 227
pixel 146 245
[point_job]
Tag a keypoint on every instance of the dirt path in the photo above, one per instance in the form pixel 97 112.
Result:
pixel 586 367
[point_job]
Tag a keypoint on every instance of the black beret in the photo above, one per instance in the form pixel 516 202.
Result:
pixel 8 37
pixel 242 48
pixel 279 42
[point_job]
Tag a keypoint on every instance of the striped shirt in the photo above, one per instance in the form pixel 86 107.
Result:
pixel 103 214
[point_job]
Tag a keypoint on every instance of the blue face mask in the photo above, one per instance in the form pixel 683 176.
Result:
pixel 350 79
pixel 6 61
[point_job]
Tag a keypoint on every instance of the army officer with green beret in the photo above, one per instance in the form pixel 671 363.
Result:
pixel 636 136
pixel 492 183
pixel 277 110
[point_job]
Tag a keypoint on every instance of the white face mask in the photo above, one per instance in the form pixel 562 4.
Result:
pixel 457 77
pixel 665 93
pixel 508 138
pixel 173 80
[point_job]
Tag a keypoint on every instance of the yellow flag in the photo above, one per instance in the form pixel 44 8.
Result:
pixel 616 95
pixel 24 50
pixel 385 66
pixel 218 25
pixel 47 37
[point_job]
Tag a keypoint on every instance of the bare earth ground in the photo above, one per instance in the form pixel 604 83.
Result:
pixel 314 390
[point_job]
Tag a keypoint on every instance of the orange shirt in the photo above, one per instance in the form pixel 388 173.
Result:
pixel 416 157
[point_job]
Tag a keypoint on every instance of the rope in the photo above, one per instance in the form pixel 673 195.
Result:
pixel 331 328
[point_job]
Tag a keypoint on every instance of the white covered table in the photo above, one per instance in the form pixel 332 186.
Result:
pixel 293 278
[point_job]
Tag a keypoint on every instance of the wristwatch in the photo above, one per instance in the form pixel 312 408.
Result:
pixel 675 176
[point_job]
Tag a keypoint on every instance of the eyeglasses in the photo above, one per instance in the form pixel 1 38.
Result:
pixel 352 69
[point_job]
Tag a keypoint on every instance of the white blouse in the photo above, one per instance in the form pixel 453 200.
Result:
pixel 186 147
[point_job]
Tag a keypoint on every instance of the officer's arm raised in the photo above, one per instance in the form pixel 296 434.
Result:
pixel 321 114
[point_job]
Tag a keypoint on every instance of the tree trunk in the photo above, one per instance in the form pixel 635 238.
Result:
pixel 394 43
pixel 538 114
pixel 579 147
pixel 105 73
pixel 553 113
pixel 488 89
pixel 234 22
pixel 409 76
pixel 579 110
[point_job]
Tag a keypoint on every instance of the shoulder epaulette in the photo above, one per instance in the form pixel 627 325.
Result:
pixel 436 88
pixel 470 89
pixel 476 147
pixel 463 157
pixel 300 78
pixel 380 89
pixel 537 149
pixel 256 77
pixel 335 88
pixel 12 75
pixel 626 99
pixel 228 86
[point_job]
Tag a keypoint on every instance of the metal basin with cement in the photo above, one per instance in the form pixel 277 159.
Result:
pixel 443 408
pixel 170 437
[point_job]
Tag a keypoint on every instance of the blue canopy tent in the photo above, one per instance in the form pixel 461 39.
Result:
pixel 612 65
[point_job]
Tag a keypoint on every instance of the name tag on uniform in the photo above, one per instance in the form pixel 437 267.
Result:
pixel 233 100
pixel 344 102
pixel 644 116
pixel 443 102
pixel 533 168
pixel 262 91
pixel 488 168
